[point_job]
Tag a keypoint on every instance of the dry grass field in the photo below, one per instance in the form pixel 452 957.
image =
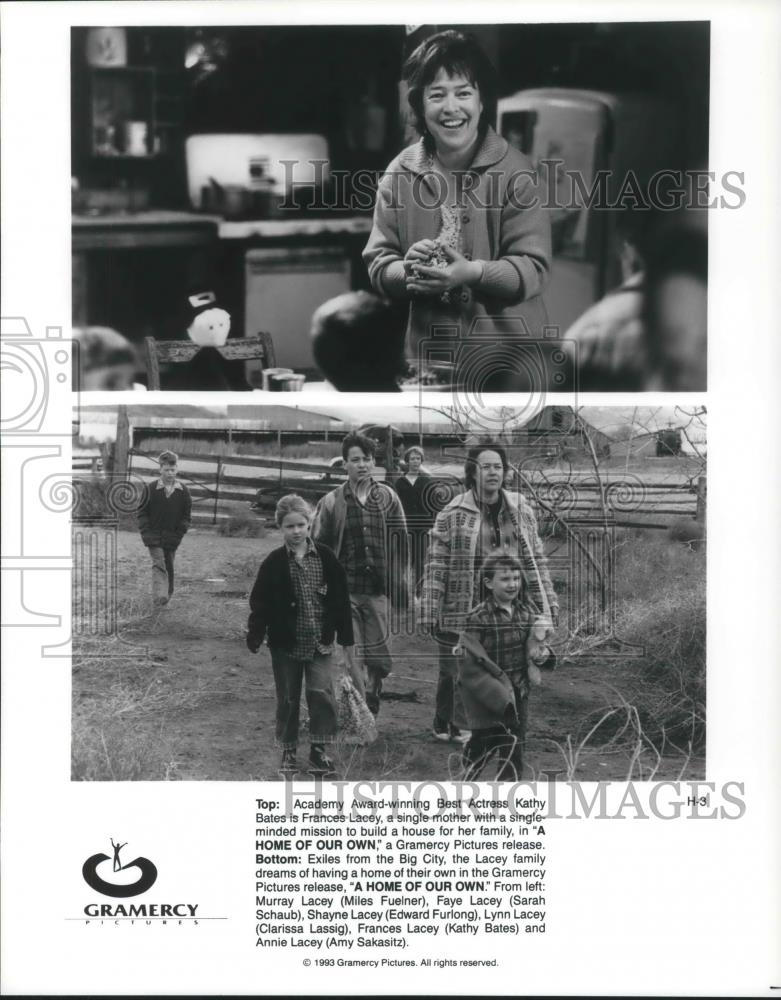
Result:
pixel 173 694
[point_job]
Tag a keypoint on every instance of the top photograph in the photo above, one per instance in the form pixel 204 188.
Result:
pixel 391 208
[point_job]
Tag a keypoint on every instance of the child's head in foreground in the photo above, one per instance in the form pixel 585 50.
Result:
pixel 358 342
pixel 293 517
pixel 503 577
pixel 103 359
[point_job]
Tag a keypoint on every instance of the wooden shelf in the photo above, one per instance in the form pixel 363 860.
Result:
pixel 125 156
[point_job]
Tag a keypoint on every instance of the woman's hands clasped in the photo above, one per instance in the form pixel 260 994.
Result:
pixel 420 252
pixel 423 278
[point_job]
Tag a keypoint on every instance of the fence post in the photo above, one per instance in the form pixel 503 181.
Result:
pixel 122 444
pixel 106 457
pixel 702 498
pixel 217 490
pixel 389 454
pixel 279 458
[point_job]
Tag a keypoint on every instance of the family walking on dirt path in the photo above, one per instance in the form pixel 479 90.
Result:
pixel 485 597
pixel 487 600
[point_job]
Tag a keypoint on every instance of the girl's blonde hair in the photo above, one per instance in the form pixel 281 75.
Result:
pixel 292 504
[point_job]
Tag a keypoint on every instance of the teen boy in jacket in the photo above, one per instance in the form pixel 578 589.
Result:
pixel 163 520
pixel 357 520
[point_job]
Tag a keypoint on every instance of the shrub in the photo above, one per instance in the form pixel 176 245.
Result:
pixel 242 524
pixel 688 531
pixel 95 497
pixel 660 610
pixel 668 688
pixel 89 498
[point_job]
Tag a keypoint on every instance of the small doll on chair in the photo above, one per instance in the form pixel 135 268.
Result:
pixel 208 326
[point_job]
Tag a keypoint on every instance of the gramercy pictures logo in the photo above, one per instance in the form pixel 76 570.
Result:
pixel 120 890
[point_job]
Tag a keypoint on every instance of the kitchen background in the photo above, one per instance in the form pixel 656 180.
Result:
pixel 159 213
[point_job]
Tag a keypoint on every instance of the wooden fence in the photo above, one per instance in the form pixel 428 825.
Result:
pixel 219 481
pixel 87 461
pixel 264 482
pixel 621 496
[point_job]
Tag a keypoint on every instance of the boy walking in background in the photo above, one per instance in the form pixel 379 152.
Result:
pixel 163 520
pixel 301 603
pixel 495 670
pixel 356 520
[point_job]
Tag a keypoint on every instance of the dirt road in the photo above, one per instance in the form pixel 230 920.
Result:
pixel 182 686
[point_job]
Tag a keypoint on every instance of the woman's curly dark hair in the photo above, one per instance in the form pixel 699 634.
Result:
pixel 458 54
pixel 470 464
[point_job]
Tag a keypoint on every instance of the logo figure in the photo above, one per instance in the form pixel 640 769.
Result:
pixel 117 849
pixel 145 881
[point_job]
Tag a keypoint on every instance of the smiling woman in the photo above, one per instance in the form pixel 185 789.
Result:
pixel 453 110
pixel 485 520
pixel 459 226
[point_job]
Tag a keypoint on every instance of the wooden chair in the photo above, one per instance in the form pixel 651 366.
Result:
pixel 172 352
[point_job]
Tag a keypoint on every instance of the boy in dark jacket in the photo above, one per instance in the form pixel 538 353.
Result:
pixel 496 668
pixel 163 520
pixel 300 602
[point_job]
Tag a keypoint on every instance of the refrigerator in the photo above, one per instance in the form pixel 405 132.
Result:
pixel 284 286
pixel 565 131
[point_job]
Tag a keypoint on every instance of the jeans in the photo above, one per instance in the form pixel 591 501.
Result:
pixel 448 707
pixel 418 544
pixel 289 674
pixel 162 572
pixel 370 625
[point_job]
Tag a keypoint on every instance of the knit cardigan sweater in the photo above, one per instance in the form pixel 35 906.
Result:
pixel 504 224
pixel 449 581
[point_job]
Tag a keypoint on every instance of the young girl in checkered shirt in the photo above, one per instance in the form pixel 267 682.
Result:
pixel 499 643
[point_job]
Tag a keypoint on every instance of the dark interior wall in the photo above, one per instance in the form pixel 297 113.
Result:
pixel 296 79
pixel 670 60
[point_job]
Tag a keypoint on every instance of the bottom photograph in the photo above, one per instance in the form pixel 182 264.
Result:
pixel 398 593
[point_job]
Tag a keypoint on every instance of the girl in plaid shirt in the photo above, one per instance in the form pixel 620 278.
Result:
pixel 301 603
pixel 496 668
